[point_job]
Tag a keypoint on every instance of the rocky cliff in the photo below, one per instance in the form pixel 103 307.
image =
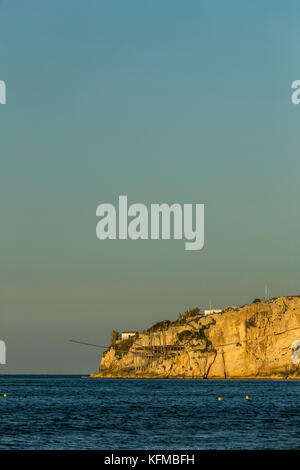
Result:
pixel 260 340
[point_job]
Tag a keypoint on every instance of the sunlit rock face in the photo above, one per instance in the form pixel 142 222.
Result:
pixel 261 340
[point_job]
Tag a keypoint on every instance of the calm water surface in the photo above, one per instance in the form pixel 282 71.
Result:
pixel 68 412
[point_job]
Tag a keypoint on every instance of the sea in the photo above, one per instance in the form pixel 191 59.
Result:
pixel 72 412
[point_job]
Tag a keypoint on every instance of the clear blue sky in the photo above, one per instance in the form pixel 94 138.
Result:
pixel 165 101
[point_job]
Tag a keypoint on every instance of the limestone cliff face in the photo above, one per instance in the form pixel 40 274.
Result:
pixel 253 341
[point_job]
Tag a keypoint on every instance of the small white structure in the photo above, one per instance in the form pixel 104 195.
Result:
pixel 213 310
pixel 128 334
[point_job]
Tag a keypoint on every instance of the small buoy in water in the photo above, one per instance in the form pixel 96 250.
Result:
pixel 219 398
pixel 247 398
pixel 5 395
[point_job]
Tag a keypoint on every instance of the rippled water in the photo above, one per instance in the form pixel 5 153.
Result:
pixel 68 412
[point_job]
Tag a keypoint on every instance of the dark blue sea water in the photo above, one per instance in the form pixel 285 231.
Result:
pixel 68 412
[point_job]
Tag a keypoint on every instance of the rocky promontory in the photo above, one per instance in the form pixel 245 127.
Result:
pixel 260 340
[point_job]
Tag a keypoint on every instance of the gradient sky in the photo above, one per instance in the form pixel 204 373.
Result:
pixel 164 101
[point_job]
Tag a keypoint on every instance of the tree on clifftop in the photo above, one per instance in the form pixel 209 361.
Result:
pixel 114 335
pixel 191 312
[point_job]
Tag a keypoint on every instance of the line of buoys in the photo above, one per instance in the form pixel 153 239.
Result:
pixel 246 398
